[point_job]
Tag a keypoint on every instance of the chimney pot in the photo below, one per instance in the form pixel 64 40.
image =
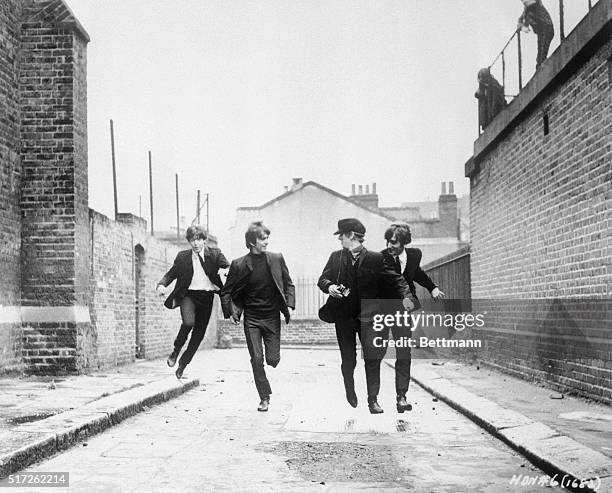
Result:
pixel 451 188
pixel 360 188
pixel 353 189
pixel 443 188
pixel 367 189
pixel 374 188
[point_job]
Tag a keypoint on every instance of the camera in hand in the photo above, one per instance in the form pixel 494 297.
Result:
pixel 344 291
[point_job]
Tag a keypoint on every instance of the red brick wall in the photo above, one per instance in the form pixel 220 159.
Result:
pixel 541 231
pixel 10 183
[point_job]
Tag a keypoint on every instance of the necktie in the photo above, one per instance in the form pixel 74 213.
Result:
pixel 201 262
pixel 398 265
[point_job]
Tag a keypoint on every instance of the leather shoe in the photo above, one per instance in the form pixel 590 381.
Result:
pixel 351 397
pixel 374 407
pixel 264 404
pixel 172 358
pixel 179 372
pixel 402 404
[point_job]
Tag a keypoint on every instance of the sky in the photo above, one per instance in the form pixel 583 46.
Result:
pixel 239 97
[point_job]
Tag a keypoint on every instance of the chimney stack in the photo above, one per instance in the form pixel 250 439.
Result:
pixel 297 182
pixel 364 197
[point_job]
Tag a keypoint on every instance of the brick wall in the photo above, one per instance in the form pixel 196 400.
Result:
pixel 53 202
pixel 54 186
pixel 541 225
pixel 126 264
pixel 297 332
pixel 10 183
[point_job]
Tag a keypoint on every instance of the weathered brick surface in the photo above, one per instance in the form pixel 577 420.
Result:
pixel 541 230
pixel 128 318
pixel 54 185
pixel 10 182
pixel 297 332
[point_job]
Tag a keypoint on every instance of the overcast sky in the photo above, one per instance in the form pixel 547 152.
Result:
pixel 239 97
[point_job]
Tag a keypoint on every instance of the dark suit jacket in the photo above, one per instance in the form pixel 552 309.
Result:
pixel 232 295
pixel 412 272
pixel 376 279
pixel 182 271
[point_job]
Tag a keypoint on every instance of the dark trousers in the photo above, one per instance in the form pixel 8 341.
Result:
pixel 262 335
pixel 195 307
pixel 347 331
pixel 403 357
pixel 544 39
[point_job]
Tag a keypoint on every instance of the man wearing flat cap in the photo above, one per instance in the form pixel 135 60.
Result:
pixel 351 275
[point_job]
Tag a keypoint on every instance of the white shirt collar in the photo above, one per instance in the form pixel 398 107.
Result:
pixel 402 256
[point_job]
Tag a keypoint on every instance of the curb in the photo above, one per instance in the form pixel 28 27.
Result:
pixel 572 465
pixel 61 431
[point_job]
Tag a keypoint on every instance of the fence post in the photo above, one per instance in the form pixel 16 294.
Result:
pixel 561 24
pixel 520 60
pixel 504 73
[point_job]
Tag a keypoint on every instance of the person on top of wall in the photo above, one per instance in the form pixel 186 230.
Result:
pixel 355 278
pixel 490 95
pixel 197 280
pixel 537 17
pixel 259 285
pixel 406 262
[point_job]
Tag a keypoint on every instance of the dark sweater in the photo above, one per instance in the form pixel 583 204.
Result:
pixel 261 295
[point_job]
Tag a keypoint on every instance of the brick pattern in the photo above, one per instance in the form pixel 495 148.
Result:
pixel 49 202
pixel 126 265
pixel 10 181
pixel 297 332
pixel 50 348
pixel 541 234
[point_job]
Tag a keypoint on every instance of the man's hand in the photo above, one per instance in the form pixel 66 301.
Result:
pixel 235 321
pixel 288 316
pixel 408 304
pixel 334 291
pixel 161 291
pixel 437 295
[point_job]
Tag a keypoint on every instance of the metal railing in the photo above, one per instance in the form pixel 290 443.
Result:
pixel 308 298
pixel 562 15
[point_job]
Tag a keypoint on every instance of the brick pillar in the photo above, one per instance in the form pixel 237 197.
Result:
pixel 54 200
pixel 10 186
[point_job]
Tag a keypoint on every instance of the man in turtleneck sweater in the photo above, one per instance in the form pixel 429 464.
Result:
pixel 351 276
pixel 259 286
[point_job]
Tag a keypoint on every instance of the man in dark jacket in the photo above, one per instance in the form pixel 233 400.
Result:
pixel 259 286
pixel 537 17
pixel 406 261
pixel 490 95
pixel 197 280
pixel 351 275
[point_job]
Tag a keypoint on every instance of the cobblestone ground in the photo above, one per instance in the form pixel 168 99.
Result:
pixel 213 439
